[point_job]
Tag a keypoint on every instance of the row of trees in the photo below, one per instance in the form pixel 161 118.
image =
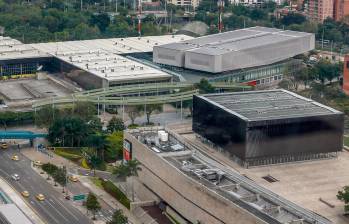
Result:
pixel 55 20
pixel 323 72
pixel 94 206
pixel 59 174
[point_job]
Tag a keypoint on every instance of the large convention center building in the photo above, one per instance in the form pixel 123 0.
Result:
pixel 254 56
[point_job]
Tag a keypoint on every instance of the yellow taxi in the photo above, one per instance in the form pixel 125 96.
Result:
pixel 40 197
pixel 73 178
pixel 15 158
pixel 3 145
pixel 25 194
pixel 37 163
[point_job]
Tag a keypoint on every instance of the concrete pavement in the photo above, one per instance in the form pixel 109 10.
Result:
pixel 20 202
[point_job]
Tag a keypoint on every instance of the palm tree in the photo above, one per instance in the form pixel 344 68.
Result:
pixel 128 169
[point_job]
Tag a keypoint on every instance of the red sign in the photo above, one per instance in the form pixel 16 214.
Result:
pixel 127 152
pixel 127 155
pixel 252 83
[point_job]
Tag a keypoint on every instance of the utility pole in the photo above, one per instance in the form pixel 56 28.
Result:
pixel 81 3
pixel 220 19
pixel 116 6
pixel 139 18
pixel 323 33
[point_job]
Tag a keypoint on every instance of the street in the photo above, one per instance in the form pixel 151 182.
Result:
pixel 54 209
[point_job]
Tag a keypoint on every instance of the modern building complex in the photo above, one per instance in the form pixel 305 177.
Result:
pixel 239 49
pixel 253 56
pixel 195 188
pixel 267 127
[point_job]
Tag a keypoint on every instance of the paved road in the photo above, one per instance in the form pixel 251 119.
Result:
pixel 55 209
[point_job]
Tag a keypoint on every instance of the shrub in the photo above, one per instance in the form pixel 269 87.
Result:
pixel 109 187
pixel 84 164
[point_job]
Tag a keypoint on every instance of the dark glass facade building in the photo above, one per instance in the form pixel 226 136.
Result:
pixel 266 127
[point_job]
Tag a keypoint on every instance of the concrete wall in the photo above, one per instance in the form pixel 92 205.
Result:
pixel 188 197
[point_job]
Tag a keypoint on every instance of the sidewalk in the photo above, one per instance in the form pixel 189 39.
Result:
pixel 107 198
pixel 20 203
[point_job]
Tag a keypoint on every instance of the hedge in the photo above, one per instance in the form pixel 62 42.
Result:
pixel 109 187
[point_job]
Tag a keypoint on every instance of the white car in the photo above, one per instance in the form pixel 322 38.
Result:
pixel 15 176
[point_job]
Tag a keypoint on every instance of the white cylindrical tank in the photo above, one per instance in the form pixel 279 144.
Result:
pixel 164 137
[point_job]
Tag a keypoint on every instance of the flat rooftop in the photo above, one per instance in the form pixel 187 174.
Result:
pixel 268 105
pixel 105 57
pixel 312 185
pixel 237 40
pixel 227 183
pixel 13 49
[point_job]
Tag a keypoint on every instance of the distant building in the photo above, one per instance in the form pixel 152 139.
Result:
pixel 341 9
pixel 346 75
pixel 268 127
pixel 319 10
pixel 185 3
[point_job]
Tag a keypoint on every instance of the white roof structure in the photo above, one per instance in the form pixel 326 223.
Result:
pixel 125 45
pixel 103 57
pixel 14 49
pixel 238 49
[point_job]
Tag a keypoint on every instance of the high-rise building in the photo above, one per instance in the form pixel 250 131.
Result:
pixel 341 9
pixel 319 10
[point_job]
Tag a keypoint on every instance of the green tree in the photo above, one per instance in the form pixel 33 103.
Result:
pixel 49 168
pixel 204 86
pixel 114 146
pixel 101 20
pixel 115 124
pixel 70 131
pixel 98 142
pixel 293 18
pixel 134 112
pixel 118 218
pixel 85 110
pixel 152 108
pixel 343 195
pixel 92 204
pixel 45 116
pixel 60 176
pixel 128 169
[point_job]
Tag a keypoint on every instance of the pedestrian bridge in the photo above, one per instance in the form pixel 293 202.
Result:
pixel 21 135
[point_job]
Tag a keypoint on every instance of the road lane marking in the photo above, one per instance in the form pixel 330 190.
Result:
pixel 46 212
pixel 57 211
pixel 61 203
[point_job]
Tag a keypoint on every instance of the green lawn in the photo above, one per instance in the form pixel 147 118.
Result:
pixel 71 154
pixel 97 182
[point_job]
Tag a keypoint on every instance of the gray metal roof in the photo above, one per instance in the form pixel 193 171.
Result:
pixel 236 40
pixel 268 105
